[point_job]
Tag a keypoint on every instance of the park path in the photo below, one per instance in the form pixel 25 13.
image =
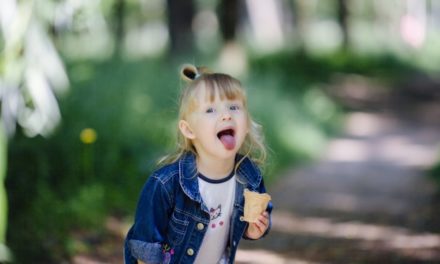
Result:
pixel 367 199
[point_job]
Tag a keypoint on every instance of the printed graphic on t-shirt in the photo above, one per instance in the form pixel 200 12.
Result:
pixel 216 213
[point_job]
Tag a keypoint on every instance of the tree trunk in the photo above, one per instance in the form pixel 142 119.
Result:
pixel 300 20
pixel 180 16
pixel 228 16
pixel 343 22
pixel 119 26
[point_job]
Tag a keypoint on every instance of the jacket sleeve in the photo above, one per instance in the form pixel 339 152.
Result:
pixel 145 239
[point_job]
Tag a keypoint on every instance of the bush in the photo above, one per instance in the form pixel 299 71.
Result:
pixel 62 183
pixel 434 172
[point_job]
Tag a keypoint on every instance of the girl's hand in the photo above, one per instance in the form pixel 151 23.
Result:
pixel 257 229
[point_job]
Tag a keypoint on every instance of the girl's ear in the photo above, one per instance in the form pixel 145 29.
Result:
pixel 186 130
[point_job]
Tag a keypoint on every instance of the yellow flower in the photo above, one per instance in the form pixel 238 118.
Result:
pixel 88 135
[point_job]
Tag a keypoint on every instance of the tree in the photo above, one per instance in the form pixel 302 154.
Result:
pixel 180 16
pixel 119 13
pixel 228 16
pixel 343 22
pixel 30 72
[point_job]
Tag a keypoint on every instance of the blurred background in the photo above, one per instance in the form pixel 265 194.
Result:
pixel 347 91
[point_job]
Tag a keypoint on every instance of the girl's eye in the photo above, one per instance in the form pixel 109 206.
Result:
pixel 234 107
pixel 210 110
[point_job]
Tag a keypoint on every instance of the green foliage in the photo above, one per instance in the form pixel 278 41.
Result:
pixel 60 183
pixel 88 204
pixel 302 68
pixel 295 124
pixel 434 172
pixel 35 228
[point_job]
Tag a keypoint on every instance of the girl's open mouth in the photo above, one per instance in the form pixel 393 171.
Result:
pixel 227 138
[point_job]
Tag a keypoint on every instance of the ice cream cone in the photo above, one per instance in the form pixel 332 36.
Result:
pixel 254 204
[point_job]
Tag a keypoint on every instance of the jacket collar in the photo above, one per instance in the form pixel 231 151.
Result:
pixel 247 174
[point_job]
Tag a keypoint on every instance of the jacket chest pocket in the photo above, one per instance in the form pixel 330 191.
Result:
pixel 177 228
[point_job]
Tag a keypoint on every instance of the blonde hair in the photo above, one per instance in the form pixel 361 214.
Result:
pixel 225 86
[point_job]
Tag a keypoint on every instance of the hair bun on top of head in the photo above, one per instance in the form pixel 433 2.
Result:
pixel 190 72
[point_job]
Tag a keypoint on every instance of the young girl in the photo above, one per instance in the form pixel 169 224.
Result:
pixel 191 209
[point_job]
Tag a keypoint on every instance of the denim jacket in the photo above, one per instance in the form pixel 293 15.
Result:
pixel 171 218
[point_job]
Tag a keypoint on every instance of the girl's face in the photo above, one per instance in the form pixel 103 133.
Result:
pixel 217 128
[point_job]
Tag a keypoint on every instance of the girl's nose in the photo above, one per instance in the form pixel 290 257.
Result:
pixel 226 116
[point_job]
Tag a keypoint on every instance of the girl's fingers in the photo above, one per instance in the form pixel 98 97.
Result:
pixel 262 222
pixel 264 218
pixel 258 228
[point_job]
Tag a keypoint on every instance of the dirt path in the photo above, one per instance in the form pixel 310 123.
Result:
pixel 367 200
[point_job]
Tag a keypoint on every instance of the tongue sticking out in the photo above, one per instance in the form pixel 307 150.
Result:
pixel 228 140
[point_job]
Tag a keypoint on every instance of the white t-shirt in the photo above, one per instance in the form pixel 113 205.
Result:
pixel 218 196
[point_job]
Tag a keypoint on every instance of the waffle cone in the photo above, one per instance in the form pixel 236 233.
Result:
pixel 254 204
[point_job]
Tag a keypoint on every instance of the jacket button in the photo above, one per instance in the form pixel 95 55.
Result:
pixel 190 252
pixel 200 226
